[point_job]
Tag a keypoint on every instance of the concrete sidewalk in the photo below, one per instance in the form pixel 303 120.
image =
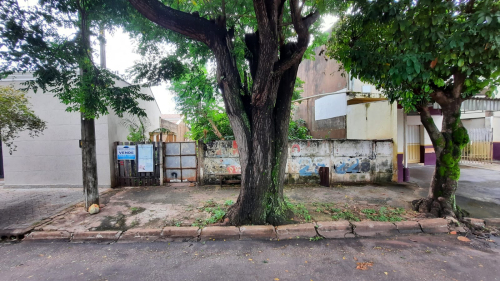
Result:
pixel 21 208
pixel 478 189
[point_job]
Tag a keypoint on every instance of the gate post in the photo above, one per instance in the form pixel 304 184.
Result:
pixel 201 151
pixel 160 157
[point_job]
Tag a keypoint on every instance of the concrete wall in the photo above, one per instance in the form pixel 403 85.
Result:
pixel 54 158
pixel 348 160
pixel 371 120
pixel 320 76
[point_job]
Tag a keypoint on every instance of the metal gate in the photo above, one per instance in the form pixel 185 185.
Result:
pixel 413 143
pixel 480 146
pixel 180 162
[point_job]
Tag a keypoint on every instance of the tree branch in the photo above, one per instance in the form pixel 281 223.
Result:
pixel 301 26
pixel 434 133
pixel 192 26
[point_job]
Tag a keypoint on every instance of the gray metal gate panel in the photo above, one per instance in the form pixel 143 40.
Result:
pixel 180 162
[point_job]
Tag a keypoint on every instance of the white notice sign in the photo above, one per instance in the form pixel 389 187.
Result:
pixel 145 163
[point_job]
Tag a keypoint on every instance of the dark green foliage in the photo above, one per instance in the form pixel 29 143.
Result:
pixel 412 49
pixel 16 116
pixel 298 130
pixel 32 42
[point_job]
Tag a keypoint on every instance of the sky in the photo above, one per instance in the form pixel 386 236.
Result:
pixel 120 56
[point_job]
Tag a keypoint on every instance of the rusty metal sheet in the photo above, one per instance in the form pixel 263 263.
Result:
pixel 188 161
pixel 173 148
pixel 188 148
pixel 172 162
pixel 188 174
pixel 173 175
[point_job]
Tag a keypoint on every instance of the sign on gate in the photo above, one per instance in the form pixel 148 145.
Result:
pixel 145 163
pixel 125 152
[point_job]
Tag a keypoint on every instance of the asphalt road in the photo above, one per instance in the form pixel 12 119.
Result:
pixel 417 257
pixel 478 189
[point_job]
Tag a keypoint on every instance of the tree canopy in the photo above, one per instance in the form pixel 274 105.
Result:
pixel 47 41
pixel 415 49
pixel 17 116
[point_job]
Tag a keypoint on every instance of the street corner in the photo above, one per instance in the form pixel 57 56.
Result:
pixel 296 231
pixel 335 229
pixel 257 232
pixel 374 228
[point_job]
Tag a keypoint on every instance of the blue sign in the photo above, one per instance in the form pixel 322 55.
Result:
pixel 125 152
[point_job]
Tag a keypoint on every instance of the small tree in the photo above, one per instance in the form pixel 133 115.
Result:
pixel 32 41
pixel 420 52
pixel 16 116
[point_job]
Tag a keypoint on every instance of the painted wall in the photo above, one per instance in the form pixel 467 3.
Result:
pixel 373 120
pixel 54 158
pixel 348 160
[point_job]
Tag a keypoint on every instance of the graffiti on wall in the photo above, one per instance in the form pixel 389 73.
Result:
pixel 352 165
pixel 307 167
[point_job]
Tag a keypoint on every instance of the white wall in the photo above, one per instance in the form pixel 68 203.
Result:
pixel 53 158
pixel 374 120
pixel 118 132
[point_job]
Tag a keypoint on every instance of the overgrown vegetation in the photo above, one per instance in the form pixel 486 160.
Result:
pixel 383 214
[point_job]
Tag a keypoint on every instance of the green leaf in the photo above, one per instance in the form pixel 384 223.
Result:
pixel 460 62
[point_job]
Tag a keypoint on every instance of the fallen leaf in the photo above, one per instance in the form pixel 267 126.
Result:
pixel 453 232
pixel 355 258
pixel 463 239
pixel 276 279
pixel 250 259
pixel 306 261
pixel 386 273
pixel 364 265
pixel 343 258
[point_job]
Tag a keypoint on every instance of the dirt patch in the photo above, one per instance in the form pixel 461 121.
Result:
pixel 182 205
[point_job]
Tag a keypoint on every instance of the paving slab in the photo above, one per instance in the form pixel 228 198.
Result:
pixel 257 232
pixel 48 236
pixel 434 225
pixel 296 231
pixel 173 233
pixel 374 228
pixel 335 229
pixel 492 222
pixel 96 236
pixel 220 233
pixel 407 227
pixel 140 235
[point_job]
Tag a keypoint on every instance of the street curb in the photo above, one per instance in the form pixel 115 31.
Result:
pixel 329 229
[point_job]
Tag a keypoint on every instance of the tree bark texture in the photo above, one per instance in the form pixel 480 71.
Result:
pixel 89 163
pixel 259 115
pixel 448 144
pixel 89 159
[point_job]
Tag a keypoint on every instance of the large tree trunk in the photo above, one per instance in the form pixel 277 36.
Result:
pixel 259 116
pixel 89 163
pixel 448 144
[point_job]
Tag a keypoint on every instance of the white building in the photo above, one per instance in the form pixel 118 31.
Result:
pixel 54 158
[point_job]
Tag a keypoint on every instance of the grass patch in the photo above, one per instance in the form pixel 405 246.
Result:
pixel 299 210
pixel 216 211
pixel 345 215
pixel 384 215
